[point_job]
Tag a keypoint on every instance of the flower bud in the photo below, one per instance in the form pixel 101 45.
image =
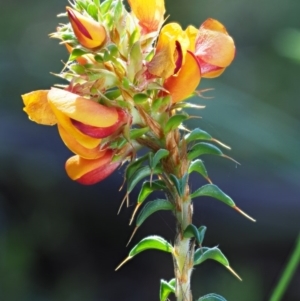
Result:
pixel 90 34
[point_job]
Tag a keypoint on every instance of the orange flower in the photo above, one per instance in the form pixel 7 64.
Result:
pixel 90 34
pixel 214 48
pixel 81 122
pixel 183 57
pixel 89 172
pixel 150 14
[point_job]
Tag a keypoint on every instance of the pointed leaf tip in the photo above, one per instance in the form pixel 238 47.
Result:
pixel 243 213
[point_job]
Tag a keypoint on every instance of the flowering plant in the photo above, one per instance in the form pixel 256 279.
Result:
pixel 128 77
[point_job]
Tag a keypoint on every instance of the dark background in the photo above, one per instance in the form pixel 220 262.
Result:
pixel 60 241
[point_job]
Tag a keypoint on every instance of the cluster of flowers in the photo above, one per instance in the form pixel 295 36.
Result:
pixel 122 64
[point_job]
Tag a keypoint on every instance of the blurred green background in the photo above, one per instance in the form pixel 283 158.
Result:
pixel 60 241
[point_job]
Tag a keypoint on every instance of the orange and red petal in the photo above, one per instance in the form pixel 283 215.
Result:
pixel 90 34
pixel 213 44
pixel 82 109
pixel 85 140
pixel 150 13
pixel 38 108
pixel 97 132
pixel 89 172
pixel 183 84
pixel 77 148
pixel 208 70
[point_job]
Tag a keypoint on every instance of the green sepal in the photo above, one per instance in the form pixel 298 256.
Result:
pixel 192 231
pixel 165 289
pixel 151 242
pixel 212 297
pixel 203 148
pixel 174 122
pixel 199 167
pixel 180 184
pixel 215 192
pixel 197 134
pixel 135 165
pixel 140 174
pixel 211 253
pixel 151 207
pixel 137 133
pixel 148 188
pixel 76 53
pixel 160 154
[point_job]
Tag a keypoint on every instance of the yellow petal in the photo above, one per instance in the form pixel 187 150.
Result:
pixel 77 148
pixel 163 63
pixel 150 13
pixel 37 107
pixel 186 81
pixel 90 34
pixel 214 45
pixel 84 110
pixel 85 140
pixel 192 33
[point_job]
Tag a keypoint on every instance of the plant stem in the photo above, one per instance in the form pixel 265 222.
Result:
pixel 287 273
pixel 184 252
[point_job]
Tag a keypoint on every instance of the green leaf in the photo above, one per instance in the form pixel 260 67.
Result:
pixel 212 253
pixel 79 69
pixel 152 207
pixel 97 2
pixel 137 133
pixel 76 53
pixel 197 134
pixel 93 11
pixel 113 94
pixel 140 174
pixel 133 166
pixel 165 289
pixel 161 153
pixel 192 231
pixel 212 297
pixel 201 231
pixel 215 192
pixel 135 60
pixel 148 188
pixel 150 242
pixel 199 167
pixel 105 6
pixel 203 148
pixel 113 50
pixel 139 98
pixel 180 184
pixel 160 103
pixel 174 122
pixel 118 11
